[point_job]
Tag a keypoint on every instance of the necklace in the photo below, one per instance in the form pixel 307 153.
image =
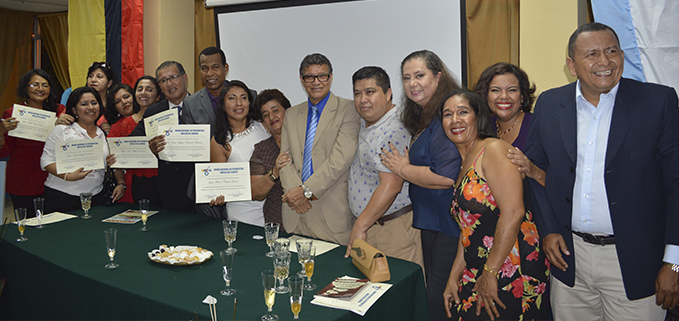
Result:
pixel 500 134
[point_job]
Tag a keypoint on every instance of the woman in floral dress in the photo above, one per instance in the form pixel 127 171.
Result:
pixel 500 270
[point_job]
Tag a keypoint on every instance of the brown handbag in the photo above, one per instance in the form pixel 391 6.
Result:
pixel 371 261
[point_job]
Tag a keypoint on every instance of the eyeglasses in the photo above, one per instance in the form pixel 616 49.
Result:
pixel 37 85
pixel 100 65
pixel 311 78
pixel 172 78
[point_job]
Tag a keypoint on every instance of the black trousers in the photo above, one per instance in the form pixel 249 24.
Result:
pixel 57 201
pixel 146 188
pixel 439 251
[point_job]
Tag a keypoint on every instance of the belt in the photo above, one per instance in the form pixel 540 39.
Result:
pixel 394 215
pixel 596 239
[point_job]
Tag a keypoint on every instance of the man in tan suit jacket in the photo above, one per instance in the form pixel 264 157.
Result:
pixel 318 206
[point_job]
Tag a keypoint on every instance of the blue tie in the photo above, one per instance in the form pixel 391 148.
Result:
pixel 179 112
pixel 307 167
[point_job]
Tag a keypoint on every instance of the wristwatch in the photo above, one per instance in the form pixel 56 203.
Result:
pixel 123 185
pixel 272 177
pixel 673 267
pixel 307 192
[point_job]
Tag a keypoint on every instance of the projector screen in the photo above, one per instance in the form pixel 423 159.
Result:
pixel 265 42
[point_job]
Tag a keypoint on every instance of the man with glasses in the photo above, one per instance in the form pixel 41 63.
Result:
pixel 174 178
pixel 320 136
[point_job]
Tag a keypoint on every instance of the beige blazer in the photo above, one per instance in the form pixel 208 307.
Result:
pixel 334 148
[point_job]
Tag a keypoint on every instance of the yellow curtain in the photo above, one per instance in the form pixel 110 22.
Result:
pixel 492 35
pixel 15 53
pixel 87 38
pixel 54 30
pixel 205 36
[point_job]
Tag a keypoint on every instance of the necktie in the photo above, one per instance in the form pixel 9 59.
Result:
pixel 307 166
pixel 179 112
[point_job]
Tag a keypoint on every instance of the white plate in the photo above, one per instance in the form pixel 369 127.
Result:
pixel 179 255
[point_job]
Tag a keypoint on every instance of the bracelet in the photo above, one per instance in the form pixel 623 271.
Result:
pixel 496 274
pixel 673 267
pixel 66 177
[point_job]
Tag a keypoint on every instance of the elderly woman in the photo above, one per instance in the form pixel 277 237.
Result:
pixel 236 133
pixel 510 96
pixel 25 179
pixel 431 165
pixel 266 161
pixel 499 266
pixel 62 190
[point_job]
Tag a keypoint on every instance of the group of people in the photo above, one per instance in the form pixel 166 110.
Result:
pixel 471 185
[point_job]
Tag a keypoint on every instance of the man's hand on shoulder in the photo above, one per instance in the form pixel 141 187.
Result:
pixel 667 288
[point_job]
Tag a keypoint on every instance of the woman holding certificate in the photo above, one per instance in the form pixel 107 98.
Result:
pixel 237 130
pixel 130 104
pixel 25 179
pixel 62 190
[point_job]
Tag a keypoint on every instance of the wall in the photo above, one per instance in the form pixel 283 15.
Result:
pixel 168 35
pixel 545 27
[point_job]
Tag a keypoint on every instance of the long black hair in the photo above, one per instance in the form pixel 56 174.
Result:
pixel 111 113
pixel 75 96
pixel 223 131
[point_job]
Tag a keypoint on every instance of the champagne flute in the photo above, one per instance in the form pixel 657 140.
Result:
pixel 309 269
pixel 296 285
pixel 111 236
pixel 228 256
pixel 144 210
pixel 281 266
pixel 20 216
pixel 269 283
pixel 230 231
pixel 86 203
pixel 271 234
pixel 39 204
pixel 303 249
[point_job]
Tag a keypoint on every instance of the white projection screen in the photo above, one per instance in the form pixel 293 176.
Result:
pixel 265 42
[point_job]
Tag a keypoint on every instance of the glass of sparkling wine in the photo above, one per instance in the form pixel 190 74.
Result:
pixel 111 236
pixel 86 203
pixel 303 249
pixel 144 210
pixel 296 285
pixel 271 233
pixel 269 283
pixel 309 269
pixel 39 204
pixel 20 216
pixel 227 256
pixel 230 231
pixel 281 267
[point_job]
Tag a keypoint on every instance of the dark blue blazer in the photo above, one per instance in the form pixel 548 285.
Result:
pixel 641 176
pixel 174 178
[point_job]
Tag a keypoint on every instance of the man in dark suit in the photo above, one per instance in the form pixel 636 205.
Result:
pixel 609 211
pixel 173 177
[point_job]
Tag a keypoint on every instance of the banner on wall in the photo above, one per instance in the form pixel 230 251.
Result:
pixel 110 31
pixel 648 32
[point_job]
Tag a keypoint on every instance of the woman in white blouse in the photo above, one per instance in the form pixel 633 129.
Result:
pixel 237 130
pixel 62 191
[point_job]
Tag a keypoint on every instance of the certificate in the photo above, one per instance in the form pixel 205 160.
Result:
pixel 229 179
pixel 132 152
pixel 168 117
pixel 34 124
pixel 186 143
pixel 73 154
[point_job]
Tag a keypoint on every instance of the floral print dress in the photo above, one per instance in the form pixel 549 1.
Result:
pixel 525 271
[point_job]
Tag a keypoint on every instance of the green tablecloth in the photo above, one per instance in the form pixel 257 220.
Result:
pixel 59 274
